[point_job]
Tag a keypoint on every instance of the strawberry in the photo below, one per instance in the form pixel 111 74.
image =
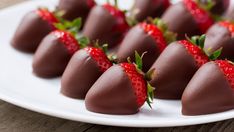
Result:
pixel 145 8
pixel 56 49
pixel 221 35
pixel 150 37
pixel 33 28
pixel 83 70
pixel 188 17
pixel 75 8
pixel 122 89
pixel 212 88
pixel 110 27
pixel 177 64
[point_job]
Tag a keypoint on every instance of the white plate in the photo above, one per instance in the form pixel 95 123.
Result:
pixel 20 87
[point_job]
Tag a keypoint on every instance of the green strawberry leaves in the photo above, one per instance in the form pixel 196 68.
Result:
pixel 168 35
pixel 200 41
pixel 138 60
pixel 147 76
pixel 207 5
pixel 71 26
pixel 150 94
pixel 83 41
pixel 215 54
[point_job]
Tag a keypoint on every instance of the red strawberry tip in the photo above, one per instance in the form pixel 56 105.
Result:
pixel 162 26
pixel 147 76
pixel 200 42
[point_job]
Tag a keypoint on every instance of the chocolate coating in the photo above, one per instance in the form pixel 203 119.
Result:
pixel 30 32
pixel 218 37
pixel 208 92
pixel 99 26
pixel 112 97
pixel 51 58
pixel 219 7
pixel 180 21
pixel 74 9
pixel 137 40
pixel 174 69
pixel 146 8
pixel 230 12
pixel 79 76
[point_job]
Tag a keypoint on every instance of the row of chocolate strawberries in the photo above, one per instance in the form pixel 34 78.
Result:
pixel 114 28
pixel 153 35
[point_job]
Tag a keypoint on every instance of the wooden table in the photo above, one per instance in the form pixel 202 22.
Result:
pixel 15 119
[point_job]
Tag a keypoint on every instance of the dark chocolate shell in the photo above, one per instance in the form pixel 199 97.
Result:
pixel 208 92
pixel 180 21
pixel 79 76
pixel 220 37
pixel 30 32
pixel 112 93
pixel 137 40
pixel 174 69
pixel 74 9
pixel 51 57
pixel 99 26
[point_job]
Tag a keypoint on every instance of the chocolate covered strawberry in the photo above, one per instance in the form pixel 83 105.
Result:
pixel 211 89
pixel 176 66
pixel 150 37
pixel 149 8
pixel 33 28
pixel 121 90
pixel 56 49
pixel 217 6
pixel 107 24
pixel 85 67
pixel 188 17
pixel 221 35
pixel 75 8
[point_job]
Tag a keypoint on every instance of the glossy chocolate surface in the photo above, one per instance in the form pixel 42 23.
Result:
pixel 174 68
pixel 112 93
pixel 74 9
pixel 51 58
pixel 219 7
pixel 180 21
pixel 80 74
pixel 208 92
pixel 230 12
pixel 137 40
pixel 30 32
pixel 99 26
pixel 148 8
pixel 220 37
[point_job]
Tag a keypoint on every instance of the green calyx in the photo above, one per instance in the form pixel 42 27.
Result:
pixel 115 3
pixel 200 41
pixel 147 76
pixel 207 5
pixel 104 47
pixel 168 35
pixel 73 27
